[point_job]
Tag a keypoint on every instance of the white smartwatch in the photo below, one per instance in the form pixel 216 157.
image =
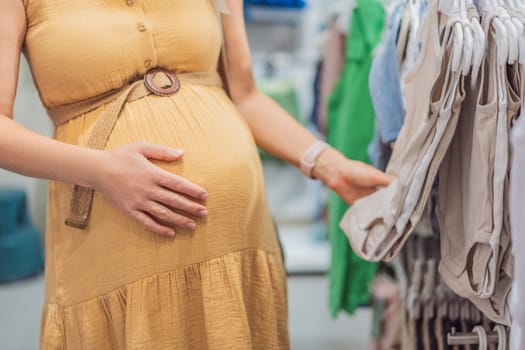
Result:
pixel 309 158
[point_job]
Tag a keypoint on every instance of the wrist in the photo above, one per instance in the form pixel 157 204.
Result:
pixel 327 166
pixel 309 157
pixel 90 170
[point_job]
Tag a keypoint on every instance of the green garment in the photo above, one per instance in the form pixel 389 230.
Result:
pixel 283 92
pixel 350 130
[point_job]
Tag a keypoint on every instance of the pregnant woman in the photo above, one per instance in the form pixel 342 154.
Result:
pixel 158 232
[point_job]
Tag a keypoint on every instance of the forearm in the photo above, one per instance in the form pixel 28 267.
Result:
pixel 30 154
pixel 275 131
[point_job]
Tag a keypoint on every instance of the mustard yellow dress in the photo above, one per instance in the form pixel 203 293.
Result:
pixel 115 285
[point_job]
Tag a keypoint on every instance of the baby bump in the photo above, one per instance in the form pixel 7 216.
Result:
pixel 220 155
pixel 219 151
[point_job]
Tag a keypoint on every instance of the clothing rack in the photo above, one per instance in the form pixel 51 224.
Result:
pixel 469 338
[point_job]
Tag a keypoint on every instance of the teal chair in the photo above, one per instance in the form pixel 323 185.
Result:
pixel 21 253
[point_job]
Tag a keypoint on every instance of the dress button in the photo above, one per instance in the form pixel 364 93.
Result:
pixel 130 2
pixel 148 63
pixel 141 27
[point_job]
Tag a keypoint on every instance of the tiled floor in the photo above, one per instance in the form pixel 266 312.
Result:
pixel 310 325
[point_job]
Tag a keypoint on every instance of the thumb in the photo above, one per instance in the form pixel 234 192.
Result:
pixel 384 179
pixel 158 152
pixel 377 178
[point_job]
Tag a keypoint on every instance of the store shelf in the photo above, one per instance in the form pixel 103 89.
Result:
pixel 272 15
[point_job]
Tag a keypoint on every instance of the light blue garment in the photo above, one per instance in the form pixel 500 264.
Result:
pixel 385 84
pixel 385 89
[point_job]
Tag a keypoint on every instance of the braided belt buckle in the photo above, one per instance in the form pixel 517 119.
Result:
pixel 161 82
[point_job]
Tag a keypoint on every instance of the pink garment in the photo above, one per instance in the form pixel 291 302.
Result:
pixel 333 57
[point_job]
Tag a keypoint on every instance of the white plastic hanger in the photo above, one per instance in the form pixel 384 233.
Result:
pixel 502 41
pixel 458 47
pixel 510 34
pixel 512 37
pixel 479 45
pixel 468 39
pixel 482 336
pixel 458 43
pixel 502 337
pixel 501 32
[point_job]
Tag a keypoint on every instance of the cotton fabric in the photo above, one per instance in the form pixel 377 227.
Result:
pixel 372 223
pixel 116 285
pixel 470 206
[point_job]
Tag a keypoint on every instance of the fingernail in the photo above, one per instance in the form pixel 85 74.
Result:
pixel 203 212
pixel 171 233
pixel 178 152
pixel 204 196
pixel 191 225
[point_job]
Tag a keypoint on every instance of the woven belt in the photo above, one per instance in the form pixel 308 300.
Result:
pixel 157 81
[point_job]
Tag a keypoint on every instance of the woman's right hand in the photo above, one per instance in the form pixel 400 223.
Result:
pixel 124 175
pixel 156 198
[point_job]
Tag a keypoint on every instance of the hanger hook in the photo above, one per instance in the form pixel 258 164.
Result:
pixel 502 337
pixel 482 336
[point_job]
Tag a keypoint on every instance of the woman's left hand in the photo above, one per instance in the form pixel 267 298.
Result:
pixel 350 179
